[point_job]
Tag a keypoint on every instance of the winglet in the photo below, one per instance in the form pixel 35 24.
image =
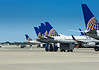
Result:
pixel 82 33
pixel 73 38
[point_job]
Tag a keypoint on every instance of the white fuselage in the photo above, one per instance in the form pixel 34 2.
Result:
pixel 69 39
pixel 97 32
pixel 34 41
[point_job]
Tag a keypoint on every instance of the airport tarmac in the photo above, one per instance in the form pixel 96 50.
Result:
pixel 38 59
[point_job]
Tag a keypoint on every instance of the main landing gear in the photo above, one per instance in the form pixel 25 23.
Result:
pixel 96 48
pixel 51 48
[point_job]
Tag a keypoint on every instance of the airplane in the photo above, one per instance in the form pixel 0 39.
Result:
pixel 28 41
pixel 68 42
pixel 39 31
pixel 48 33
pixel 92 25
pixel 43 31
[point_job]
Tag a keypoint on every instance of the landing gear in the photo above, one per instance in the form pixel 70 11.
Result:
pixel 46 47
pixel 66 47
pixel 69 50
pixel 55 48
pixel 63 47
pixel 51 48
pixel 22 46
pixel 62 50
pixel 96 48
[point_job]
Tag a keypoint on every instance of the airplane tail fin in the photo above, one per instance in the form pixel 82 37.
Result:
pixel 37 30
pixel 89 18
pixel 45 30
pixel 28 38
pixel 48 26
pixel 51 31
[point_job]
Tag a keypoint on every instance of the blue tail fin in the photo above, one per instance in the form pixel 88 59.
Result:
pixel 43 27
pixel 51 31
pixel 40 30
pixel 28 38
pixel 81 32
pixel 43 30
pixel 90 20
pixel 48 26
pixel 36 30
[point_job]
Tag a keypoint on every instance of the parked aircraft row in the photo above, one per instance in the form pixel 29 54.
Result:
pixel 48 35
pixel 51 40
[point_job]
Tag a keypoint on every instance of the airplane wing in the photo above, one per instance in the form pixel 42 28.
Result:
pixel 77 40
pixel 80 43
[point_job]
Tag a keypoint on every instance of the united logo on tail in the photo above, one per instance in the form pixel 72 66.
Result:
pixel 51 30
pixel 28 38
pixel 45 30
pixel 90 20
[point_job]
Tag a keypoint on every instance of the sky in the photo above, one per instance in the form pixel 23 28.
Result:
pixel 18 17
